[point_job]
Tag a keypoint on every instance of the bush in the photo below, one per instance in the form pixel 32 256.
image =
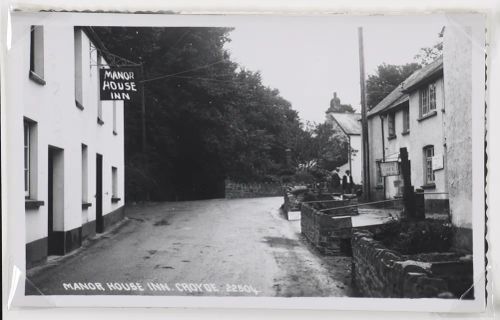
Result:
pixel 408 237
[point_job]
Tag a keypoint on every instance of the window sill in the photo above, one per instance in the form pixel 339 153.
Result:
pixel 391 137
pixel 36 78
pixel 428 186
pixel 115 133
pixel 79 105
pixel 404 133
pixel 115 199
pixel 86 205
pixel 99 121
pixel 32 204
pixel 428 115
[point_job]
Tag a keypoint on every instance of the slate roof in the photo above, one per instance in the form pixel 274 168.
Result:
pixel 400 93
pixel 349 122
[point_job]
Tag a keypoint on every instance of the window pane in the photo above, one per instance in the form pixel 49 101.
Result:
pixel 26 159
pixel 432 97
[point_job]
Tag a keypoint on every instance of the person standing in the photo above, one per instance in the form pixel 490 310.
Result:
pixel 335 180
pixel 347 182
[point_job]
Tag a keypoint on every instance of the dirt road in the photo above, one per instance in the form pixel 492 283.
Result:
pixel 211 247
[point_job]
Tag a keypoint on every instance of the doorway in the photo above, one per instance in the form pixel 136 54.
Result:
pixel 98 195
pixel 55 199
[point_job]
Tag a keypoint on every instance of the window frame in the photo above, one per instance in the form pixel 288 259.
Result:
pixel 100 119
pixel 27 159
pixel 427 99
pixel 429 175
pixel 406 120
pixel 391 125
pixel 78 65
pixel 37 56
pixel 115 132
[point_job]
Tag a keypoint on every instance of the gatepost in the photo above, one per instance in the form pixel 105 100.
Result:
pixel 409 196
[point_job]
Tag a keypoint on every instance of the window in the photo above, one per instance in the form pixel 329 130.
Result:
pixel 380 179
pixel 36 55
pixel 78 69
pixel 99 102
pixel 85 173
pixel 392 125
pixel 27 159
pixel 406 120
pixel 114 182
pixel 427 99
pixel 429 173
pixel 114 118
pixel 30 157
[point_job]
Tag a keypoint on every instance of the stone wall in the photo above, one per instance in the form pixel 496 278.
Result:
pixel 380 272
pixel 235 190
pixel 328 233
pixel 348 207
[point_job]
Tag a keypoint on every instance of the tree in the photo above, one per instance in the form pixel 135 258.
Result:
pixel 208 119
pixel 385 80
pixel 429 54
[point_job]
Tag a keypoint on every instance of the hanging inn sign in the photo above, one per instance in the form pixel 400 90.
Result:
pixel 118 83
pixel 389 168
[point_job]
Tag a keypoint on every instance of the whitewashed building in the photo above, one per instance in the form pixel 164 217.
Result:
pixel 350 125
pixel 65 142
pixel 412 117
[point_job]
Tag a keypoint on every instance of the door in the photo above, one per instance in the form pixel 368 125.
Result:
pixel 98 195
pixel 50 205
pixel 55 201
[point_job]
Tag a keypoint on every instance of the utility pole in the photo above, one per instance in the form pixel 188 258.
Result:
pixel 364 122
pixel 143 110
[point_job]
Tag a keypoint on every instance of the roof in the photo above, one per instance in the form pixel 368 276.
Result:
pixel 430 72
pixel 348 122
pixel 416 79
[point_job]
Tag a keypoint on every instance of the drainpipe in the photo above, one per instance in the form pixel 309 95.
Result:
pixel 383 146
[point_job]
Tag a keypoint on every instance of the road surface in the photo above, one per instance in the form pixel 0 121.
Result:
pixel 240 247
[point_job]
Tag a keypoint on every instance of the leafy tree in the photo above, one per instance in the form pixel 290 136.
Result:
pixel 387 77
pixel 207 118
pixel 429 54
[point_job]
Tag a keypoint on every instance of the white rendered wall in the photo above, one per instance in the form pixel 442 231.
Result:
pixel 356 159
pixel 422 133
pixel 61 124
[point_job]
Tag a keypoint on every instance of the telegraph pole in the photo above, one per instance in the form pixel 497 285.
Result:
pixel 143 110
pixel 364 122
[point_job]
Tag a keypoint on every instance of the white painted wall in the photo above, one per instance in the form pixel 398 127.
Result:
pixel 422 133
pixel 356 159
pixel 61 124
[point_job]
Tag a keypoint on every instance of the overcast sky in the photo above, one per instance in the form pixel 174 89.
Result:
pixel 307 59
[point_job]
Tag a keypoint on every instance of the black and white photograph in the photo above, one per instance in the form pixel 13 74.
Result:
pixel 160 159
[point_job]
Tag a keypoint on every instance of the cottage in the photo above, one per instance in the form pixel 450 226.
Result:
pixel 411 116
pixel 70 141
pixel 350 125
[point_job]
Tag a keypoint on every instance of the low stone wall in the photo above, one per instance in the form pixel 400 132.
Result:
pixel 234 190
pixel 328 233
pixel 380 272
pixel 348 207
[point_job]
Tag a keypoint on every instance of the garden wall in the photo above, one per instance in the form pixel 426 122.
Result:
pixel 380 272
pixel 328 233
pixel 234 190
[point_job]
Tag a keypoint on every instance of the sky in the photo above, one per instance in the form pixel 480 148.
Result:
pixel 309 58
